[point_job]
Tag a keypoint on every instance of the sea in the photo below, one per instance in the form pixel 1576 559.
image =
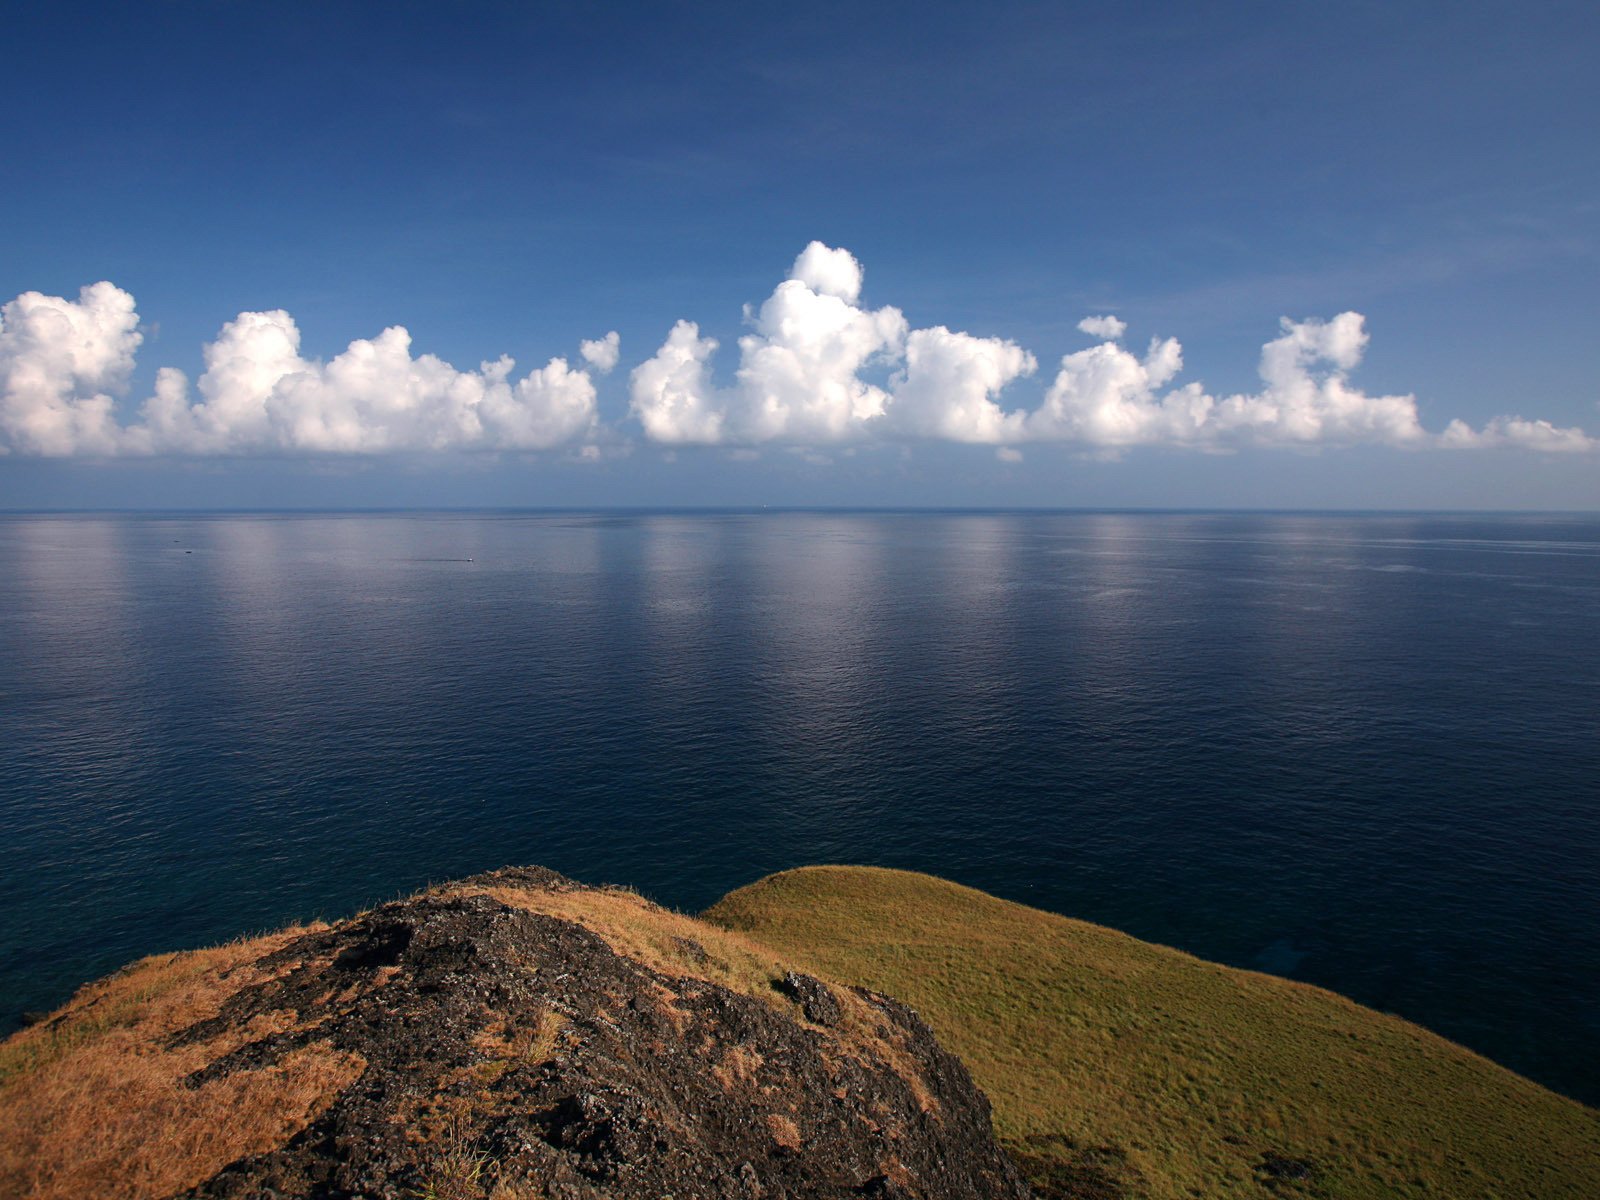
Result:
pixel 1359 750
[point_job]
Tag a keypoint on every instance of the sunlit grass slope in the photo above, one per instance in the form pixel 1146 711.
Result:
pixel 1120 1068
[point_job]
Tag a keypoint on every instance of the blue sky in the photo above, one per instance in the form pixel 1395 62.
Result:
pixel 512 179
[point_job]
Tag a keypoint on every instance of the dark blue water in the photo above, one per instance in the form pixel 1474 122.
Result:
pixel 1357 750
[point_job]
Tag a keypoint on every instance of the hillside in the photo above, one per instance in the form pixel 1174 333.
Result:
pixel 518 1034
pixel 511 1036
pixel 1118 1068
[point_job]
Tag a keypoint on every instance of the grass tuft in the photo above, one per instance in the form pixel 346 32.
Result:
pixel 95 1101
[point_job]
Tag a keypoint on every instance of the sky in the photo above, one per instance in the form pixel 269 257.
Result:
pixel 1282 255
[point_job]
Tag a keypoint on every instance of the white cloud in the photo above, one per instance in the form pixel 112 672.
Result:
pixel 799 376
pixel 1106 397
pixel 672 394
pixel 949 384
pixel 801 381
pixel 1008 454
pixel 817 368
pixel 259 394
pixel 828 272
pixel 1107 327
pixel 1518 432
pixel 603 353
pixel 800 372
pixel 59 361
pixel 1307 399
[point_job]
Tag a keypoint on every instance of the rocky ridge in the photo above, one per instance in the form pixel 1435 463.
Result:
pixel 505 1045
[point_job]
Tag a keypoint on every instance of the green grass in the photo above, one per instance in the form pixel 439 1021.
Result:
pixel 1117 1067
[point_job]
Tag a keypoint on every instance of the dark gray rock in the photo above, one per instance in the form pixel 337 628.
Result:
pixel 507 1049
pixel 818 1003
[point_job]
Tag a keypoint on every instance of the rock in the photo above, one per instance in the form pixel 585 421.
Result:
pixel 695 952
pixel 506 1048
pixel 816 1001
pixel 1274 1167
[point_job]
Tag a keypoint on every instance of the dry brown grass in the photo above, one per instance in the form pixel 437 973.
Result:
pixel 737 1068
pixel 456 1172
pixel 865 1025
pixel 784 1132
pixel 657 937
pixel 678 945
pixel 93 1103
pixel 506 1043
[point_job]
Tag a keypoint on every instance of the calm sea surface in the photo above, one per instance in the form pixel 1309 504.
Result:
pixel 1362 751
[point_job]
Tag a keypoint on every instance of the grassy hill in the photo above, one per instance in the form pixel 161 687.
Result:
pixel 1120 1068
pixel 1117 1069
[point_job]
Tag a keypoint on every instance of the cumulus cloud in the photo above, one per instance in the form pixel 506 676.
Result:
pixel 1518 432
pixel 821 367
pixel 817 367
pixel 828 272
pixel 800 375
pixel 603 353
pixel 60 362
pixel 1307 398
pixel 1107 397
pixel 948 386
pixel 672 395
pixel 1106 327
pixel 800 370
pixel 803 378
pixel 60 359
pixel 258 393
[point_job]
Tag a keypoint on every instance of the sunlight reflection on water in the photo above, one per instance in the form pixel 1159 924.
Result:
pixel 1360 750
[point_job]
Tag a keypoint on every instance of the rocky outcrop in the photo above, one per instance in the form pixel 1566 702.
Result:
pixel 511 1048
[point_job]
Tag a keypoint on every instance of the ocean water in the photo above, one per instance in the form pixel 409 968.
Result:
pixel 1359 751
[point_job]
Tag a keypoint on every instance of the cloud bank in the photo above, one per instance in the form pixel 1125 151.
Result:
pixel 800 380
pixel 817 368
pixel 1107 397
pixel 59 359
